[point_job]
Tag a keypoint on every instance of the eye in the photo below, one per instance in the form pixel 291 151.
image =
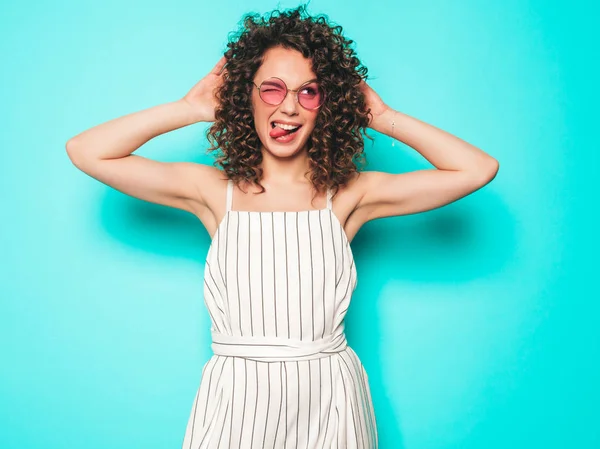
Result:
pixel 310 90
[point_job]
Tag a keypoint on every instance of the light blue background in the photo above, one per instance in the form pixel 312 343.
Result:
pixel 477 322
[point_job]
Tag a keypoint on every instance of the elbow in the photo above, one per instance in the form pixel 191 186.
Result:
pixel 71 144
pixel 73 152
pixel 484 172
pixel 494 167
pixel 489 171
pixel 70 149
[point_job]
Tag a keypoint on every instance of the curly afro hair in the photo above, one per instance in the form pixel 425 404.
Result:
pixel 335 147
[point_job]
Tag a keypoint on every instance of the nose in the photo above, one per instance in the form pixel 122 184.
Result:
pixel 290 105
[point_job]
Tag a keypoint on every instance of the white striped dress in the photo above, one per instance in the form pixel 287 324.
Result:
pixel 277 286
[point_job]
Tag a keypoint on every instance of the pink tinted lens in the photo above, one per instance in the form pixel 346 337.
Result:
pixel 272 91
pixel 311 96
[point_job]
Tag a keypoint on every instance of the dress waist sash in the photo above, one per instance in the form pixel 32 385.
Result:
pixel 277 349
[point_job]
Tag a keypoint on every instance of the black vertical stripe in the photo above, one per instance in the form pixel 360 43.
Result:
pixel 218 243
pixel 341 250
pixel 225 419
pixel 212 366
pixel 299 277
pixel 333 249
pixel 286 403
pixel 244 406
pixel 351 408
pixel 320 392
pixel 255 404
pixel 332 392
pixel 298 402
pixel 268 401
pixel 226 268
pixel 338 435
pixel 358 368
pixel 212 318
pixel 221 293
pixel 221 322
pixel 221 400
pixel 237 277
pixel 312 282
pixel 274 279
pixel 216 359
pixel 232 396
pixel 355 393
pixel 262 303
pixel 249 283
pixel 324 274
pixel 280 404
pixel 287 272
pixel 332 406
pixel 309 403
pixel 349 282
pixel 194 417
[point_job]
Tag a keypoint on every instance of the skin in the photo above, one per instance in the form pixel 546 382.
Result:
pixel 105 153
pixel 284 163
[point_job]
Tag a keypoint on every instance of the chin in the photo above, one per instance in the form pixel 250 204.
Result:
pixel 285 150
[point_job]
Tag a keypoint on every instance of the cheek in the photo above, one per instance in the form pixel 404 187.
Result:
pixel 260 119
pixel 256 113
pixel 313 121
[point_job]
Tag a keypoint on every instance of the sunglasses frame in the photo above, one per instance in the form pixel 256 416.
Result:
pixel 287 90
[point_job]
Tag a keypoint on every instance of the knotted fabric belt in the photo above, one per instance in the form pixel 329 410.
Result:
pixel 277 349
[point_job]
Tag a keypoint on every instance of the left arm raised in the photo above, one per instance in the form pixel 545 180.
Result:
pixel 461 168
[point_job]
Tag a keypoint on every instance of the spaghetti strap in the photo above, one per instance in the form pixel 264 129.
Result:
pixel 229 195
pixel 329 204
pixel 273 295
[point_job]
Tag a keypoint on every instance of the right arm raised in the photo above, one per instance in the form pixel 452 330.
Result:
pixel 104 153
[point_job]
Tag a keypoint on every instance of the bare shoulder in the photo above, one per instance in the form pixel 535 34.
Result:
pixel 346 203
pixel 211 188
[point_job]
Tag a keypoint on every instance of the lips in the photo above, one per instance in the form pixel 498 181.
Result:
pixel 276 131
pixel 283 122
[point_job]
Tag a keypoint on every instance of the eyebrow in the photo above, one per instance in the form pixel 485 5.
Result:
pixel 305 82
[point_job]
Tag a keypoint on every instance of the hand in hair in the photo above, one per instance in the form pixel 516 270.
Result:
pixel 375 104
pixel 202 98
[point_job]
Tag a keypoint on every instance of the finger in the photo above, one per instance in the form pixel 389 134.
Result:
pixel 220 66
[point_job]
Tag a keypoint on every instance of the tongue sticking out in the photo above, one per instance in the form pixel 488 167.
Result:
pixel 278 132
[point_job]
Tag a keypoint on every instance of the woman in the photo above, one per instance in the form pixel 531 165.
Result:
pixel 289 104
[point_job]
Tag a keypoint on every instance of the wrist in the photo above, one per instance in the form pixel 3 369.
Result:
pixel 191 113
pixel 386 122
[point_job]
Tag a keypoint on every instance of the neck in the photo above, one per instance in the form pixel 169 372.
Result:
pixel 293 169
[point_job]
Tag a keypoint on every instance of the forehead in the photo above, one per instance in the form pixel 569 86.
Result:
pixel 287 64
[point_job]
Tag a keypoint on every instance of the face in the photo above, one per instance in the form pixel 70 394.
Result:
pixel 294 70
